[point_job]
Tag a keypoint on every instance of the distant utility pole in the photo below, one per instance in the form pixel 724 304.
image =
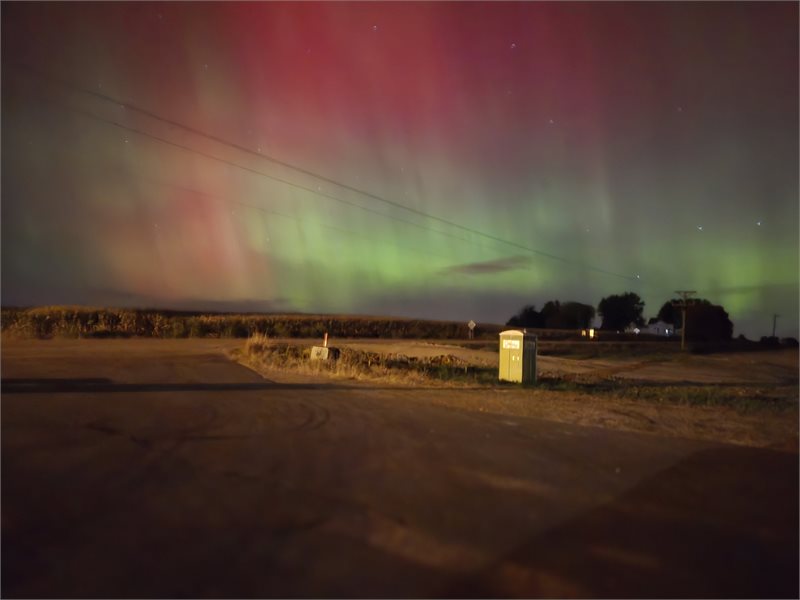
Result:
pixel 774 320
pixel 684 294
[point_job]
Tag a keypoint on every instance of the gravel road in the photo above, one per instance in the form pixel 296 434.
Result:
pixel 149 468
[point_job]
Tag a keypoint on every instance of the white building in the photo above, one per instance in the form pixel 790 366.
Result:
pixel 655 327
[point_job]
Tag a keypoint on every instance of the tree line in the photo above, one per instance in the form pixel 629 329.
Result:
pixel 704 321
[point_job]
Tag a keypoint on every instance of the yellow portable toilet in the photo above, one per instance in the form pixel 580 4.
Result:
pixel 517 356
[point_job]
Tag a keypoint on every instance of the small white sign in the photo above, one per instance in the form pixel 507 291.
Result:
pixel 471 324
pixel 511 344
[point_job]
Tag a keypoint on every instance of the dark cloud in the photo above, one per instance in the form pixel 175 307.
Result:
pixel 489 267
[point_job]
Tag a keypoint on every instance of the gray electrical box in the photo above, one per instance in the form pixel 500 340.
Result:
pixel 517 356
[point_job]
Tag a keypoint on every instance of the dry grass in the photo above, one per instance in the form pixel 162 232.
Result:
pixel 261 353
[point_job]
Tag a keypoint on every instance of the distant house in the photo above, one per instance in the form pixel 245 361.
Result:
pixel 656 327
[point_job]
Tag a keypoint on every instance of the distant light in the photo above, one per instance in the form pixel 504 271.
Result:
pixel 513 45
pixel 374 28
pixel 758 223
pixel 636 330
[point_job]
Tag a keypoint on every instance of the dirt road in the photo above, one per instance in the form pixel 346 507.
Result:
pixel 148 468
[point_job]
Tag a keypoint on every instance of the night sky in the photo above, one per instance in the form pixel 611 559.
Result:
pixel 435 160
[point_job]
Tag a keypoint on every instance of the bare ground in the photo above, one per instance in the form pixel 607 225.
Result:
pixel 770 367
pixel 162 458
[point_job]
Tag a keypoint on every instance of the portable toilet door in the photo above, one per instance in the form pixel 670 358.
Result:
pixel 511 345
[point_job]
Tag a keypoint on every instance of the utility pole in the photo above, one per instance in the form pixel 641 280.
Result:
pixel 774 320
pixel 684 294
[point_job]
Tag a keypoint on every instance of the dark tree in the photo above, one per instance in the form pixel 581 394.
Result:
pixel 576 315
pixel 620 310
pixel 706 322
pixel 551 315
pixel 526 317
pixel 554 315
pixel 670 312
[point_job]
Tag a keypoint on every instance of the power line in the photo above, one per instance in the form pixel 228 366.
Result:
pixel 150 114
pixel 255 171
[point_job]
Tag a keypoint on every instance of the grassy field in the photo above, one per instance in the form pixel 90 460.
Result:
pixel 91 322
pixel 82 321
pixel 447 369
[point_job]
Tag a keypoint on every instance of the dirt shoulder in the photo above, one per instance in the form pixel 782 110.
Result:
pixel 768 367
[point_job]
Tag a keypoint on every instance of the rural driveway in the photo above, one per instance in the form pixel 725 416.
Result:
pixel 150 468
